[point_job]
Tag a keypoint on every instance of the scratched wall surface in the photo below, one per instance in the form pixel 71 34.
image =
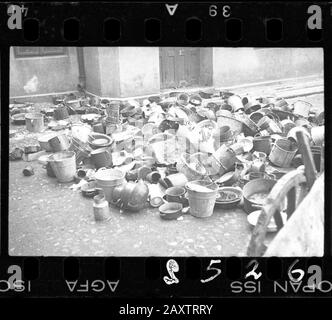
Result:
pixel 92 70
pixel 139 70
pixel 238 66
pixel 206 74
pixel 53 74
pixel 102 71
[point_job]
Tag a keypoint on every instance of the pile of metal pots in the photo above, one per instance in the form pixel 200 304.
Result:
pixel 200 142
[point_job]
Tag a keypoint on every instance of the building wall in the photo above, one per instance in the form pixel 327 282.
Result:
pixel 102 71
pixel 119 72
pixel 206 74
pixel 109 70
pixel 139 71
pixel 53 74
pixel 92 70
pixel 237 66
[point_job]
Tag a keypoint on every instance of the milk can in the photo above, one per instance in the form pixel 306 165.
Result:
pixel 100 208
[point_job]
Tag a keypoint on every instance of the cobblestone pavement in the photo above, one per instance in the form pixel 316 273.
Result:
pixel 48 218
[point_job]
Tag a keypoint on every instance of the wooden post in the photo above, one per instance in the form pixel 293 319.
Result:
pixel 322 158
pixel 81 67
pixel 308 160
pixel 272 205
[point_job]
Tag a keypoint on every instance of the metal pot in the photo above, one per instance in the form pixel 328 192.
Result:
pixel 253 187
pixel 249 127
pixel 262 144
pixel 138 197
pixel 101 158
pixel 236 102
pixel 116 194
pixel 49 169
pixel 131 196
pixel 59 143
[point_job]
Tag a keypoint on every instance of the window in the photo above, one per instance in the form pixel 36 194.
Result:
pixel 23 52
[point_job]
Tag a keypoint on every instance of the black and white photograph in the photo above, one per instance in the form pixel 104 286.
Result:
pixel 166 151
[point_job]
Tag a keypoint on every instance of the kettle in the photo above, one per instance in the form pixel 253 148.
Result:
pixel 131 196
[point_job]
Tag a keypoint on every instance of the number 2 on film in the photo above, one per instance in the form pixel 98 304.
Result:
pixel 226 11
pixel 172 267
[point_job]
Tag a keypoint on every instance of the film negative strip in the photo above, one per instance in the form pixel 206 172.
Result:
pixel 165 150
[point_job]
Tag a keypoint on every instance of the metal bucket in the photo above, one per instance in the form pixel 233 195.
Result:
pixel 249 127
pixel 49 170
pixel 108 179
pixel 113 113
pixel 81 149
pixel 226 156
pixel 302 108
pixel 262 144
pixel 59 143
pixel 266 123
pixel 193 171
pixel 235 125
pixel 202 203
pixel 64 165
pixel 34 122
pixel 61 113
pixel 101 158
pixel 236 102
pixel 282 152
pixel 44 142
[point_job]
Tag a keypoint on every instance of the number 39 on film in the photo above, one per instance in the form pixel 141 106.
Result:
pixel 224 10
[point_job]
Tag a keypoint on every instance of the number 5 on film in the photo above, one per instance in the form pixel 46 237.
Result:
pixel 216 271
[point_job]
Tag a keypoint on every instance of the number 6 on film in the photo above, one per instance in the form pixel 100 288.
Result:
pixel 291 271
pixel 218 271
pixel 172 267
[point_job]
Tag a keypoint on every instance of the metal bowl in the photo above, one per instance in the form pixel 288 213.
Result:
pixel 229 204
pixel 18 118
pixel 98 137
pixel 170 210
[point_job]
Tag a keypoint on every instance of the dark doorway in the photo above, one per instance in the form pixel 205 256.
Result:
pixel 179 67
